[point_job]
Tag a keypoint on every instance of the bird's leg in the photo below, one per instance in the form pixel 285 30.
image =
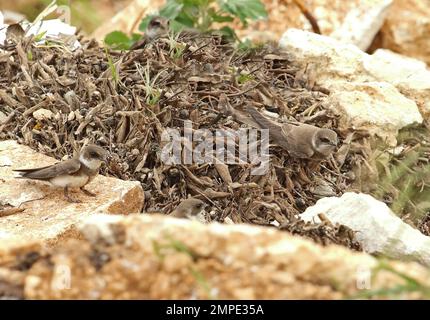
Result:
pixel 68 197
pixel 88 193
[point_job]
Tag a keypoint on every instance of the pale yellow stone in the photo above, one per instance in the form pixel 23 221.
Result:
pixel 406 29
pixel 282 266
pixel 47 216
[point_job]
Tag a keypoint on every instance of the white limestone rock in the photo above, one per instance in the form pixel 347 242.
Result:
pixel 410 76
pixel 377 228
pixel 377 107
pixel 362 23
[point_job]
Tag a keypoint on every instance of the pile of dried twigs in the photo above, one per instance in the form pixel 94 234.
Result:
pixel 53 100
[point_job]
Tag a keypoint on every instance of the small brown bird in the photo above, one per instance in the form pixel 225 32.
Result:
pixel 300 140
pixel 157 27
pixel 190 208
pixel 73 173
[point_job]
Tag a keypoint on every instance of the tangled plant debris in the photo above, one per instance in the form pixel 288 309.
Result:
pixel 55 100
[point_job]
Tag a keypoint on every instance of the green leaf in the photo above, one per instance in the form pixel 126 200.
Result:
pixel 244 78
pixel 244 9
pixel 171 9
pixel 218 17
pixel 193 13
pixel 187 20
pixel 135 37
pixel 39 36
pixel 118 40
pixel 176 26
pixel 195 3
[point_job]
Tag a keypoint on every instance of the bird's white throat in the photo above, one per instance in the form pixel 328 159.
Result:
pixel 315 146
pixel 93 164
pixel 152 33
pixel 200 217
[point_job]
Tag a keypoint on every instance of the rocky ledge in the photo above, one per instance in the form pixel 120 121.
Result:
pixel 35 211
pixel 154 257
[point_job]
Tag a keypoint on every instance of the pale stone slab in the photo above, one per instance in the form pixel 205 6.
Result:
pixel 158 257
pixel 47 216
pixel 377 228
pixel 410 76
pixel 406 29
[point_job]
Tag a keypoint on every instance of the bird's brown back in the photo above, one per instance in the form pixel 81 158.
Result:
pixel 279 134
pixel 45 173
pixel 188 207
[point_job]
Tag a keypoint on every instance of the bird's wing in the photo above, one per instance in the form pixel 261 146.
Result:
pixel 279 134
pixel 275 129
pixel 298 138
pixel 66 167
pixel 288 136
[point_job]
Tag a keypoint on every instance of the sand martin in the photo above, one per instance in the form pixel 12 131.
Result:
pixel 157 27
pixel 73 173
pixel 190 208
pixel 300 140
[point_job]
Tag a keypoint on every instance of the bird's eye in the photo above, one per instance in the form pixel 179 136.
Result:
pixel 325 140
pixel 156 23
pixel 94 154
